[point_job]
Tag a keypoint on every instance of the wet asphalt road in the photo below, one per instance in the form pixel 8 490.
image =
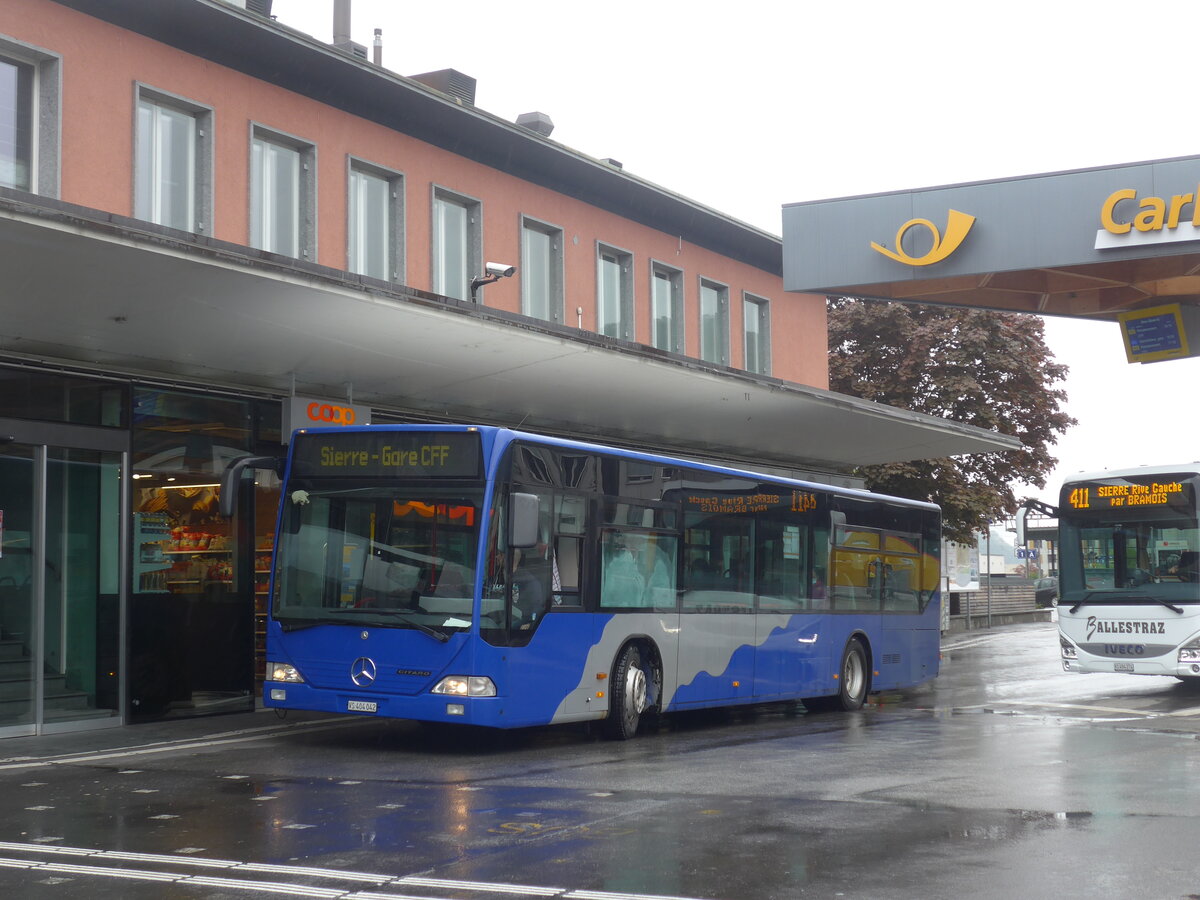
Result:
pixel 1006 777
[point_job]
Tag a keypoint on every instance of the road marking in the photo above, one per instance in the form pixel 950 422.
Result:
pixel 1083 707
pixel 233 868
pixel 524 890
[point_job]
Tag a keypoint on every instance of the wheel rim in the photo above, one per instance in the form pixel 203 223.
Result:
pixel 853 675
pixel 635 691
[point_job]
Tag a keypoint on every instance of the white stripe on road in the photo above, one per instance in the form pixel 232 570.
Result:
pixel 1083 707
pixel 234 868
pixel 525 890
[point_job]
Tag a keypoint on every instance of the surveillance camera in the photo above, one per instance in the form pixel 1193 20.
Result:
pixel 500 270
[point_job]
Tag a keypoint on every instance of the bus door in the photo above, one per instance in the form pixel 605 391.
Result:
pixel 717 610
pixel 906 580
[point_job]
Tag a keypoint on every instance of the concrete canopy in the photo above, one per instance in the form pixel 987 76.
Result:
pixel 1089 243
pixel 146 302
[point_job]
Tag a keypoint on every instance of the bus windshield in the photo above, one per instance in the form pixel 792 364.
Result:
pixel 385 555
pixel 1130 562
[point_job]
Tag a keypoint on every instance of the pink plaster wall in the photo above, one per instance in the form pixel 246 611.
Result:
pixel 102 63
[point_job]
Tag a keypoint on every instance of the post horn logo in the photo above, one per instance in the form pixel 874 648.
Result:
pixel 957 226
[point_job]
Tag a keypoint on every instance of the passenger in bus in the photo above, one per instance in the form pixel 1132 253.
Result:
pixel 818 587
pixel 530 577
pixel 660 581
pixel 1188 567
pixel 623 584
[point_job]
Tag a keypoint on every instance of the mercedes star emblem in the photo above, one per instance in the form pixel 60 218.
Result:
pixel 362 671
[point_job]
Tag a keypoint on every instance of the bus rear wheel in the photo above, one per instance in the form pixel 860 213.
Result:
pixel 852 682
pixel 631 695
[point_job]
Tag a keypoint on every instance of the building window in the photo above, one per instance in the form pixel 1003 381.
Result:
pixel 614 292
pixel 375 212
pixel 756 317
pixel 16 125
pixel 541 270
pixel 666 308
pixel 172 162
pixel 29 118
pixel 714 322
pixel 282 194
pixel 457 243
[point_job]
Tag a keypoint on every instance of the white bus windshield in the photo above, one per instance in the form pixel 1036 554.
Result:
pixel 386 555
pixel 1129 562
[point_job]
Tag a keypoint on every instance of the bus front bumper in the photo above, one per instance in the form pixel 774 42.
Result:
pixel 485 711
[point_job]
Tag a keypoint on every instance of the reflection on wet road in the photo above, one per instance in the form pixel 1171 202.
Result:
pixel 1006 776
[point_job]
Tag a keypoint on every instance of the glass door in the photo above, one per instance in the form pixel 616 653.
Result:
pixel 61 582
pixel 18 611
pixel 81 632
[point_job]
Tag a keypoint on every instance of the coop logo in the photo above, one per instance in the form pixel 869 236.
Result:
pixel 335 415
pixel 1116 626
pixel 957 226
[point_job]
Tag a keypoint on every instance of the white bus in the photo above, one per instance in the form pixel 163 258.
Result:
pixel 1129 588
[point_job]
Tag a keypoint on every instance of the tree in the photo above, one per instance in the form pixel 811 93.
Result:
pixel 983 368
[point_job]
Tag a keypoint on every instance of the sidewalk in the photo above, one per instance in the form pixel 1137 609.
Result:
pixel 153 738
pixel 952 638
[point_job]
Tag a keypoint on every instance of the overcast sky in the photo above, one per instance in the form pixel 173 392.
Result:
pixel 745 107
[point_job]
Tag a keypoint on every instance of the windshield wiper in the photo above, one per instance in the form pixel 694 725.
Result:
pixel 1122 595
pixel 434 633
pixel 296 624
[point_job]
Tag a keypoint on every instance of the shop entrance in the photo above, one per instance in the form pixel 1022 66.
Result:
pixel 61 576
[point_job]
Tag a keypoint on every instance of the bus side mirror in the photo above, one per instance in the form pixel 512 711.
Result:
pixel 523 511
pixel 232 476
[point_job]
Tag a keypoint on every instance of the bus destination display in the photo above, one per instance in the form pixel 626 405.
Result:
pixel 1104 495
pixel 388 454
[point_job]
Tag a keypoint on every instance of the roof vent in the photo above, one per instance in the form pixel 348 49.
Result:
pixel 537 122
pixel 452 82
pixel 354 49
pixel 615 163
pixel 262 7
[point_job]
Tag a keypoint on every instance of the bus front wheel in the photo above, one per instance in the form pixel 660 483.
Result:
pixel 630 696
pixel 852 682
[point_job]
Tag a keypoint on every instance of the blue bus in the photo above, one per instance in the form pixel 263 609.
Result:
pixel 493 577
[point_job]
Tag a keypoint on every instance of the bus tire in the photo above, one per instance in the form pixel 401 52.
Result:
pixel 629 697
pixel 853 681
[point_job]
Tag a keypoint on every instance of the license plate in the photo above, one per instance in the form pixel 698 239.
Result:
pixel 361 706
pixel 1123 667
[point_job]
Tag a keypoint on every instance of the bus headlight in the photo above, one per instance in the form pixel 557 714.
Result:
pixel 285 672
pixel 1190 652
pixel 1069 650
pixel 466 686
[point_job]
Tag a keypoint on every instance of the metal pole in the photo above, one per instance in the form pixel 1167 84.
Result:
pixel 989 575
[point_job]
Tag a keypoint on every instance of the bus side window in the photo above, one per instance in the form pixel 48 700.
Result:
pixel 567 559
pixel 779 550
pixel 621 582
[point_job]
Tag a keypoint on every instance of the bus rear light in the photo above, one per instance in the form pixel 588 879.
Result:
pixel 285 672
pixel 466 686
pixel 1069 650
